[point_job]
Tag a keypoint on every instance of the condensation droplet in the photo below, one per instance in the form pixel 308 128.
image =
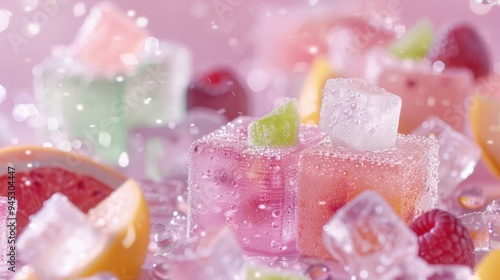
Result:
pixel 472 197
pixel 4 19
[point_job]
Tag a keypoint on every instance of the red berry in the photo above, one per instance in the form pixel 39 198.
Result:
pixel 442 239
pixel 219 90
pixel 459 45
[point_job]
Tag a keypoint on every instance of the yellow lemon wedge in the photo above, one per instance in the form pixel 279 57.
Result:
pixel 488 268
pixel 484 117
pixel 311 94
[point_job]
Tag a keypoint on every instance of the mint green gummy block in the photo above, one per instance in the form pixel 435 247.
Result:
pixel 279 128
pixel 259 273
pixel 415 42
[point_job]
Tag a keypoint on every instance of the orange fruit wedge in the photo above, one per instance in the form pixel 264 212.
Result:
pixel 485 121
pixel 113 237
pixel 312 92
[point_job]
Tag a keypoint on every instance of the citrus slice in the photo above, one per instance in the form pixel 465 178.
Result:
pixel 415 43
pixel 279 128
pixel 484 121
pixel 312 91
pixel 124 219
pixel 40 172
pixel 487 268
pixel 113 237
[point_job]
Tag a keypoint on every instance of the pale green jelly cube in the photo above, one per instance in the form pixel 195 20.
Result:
pixel 260 273
pixel 415 42
pixel 279 128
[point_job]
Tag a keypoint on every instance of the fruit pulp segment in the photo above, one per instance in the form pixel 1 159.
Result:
pixel 249 189
pixel 329 176
pixel 37 185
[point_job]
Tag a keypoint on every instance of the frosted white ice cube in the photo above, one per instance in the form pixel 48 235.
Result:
pixel 359 115
pixel 57 239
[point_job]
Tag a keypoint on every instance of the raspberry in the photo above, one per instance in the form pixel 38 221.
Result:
pixel 219 90
pixel 459 45
pixel 443 239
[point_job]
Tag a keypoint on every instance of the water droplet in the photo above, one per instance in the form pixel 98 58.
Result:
pixel 4 19
pixel 160 272
pixel 472 197
pixel 275 224
pixel 247 224
pixel 276 213
pixel 246 240
pixel 163 235
pixel 29 5
pixel 275 244
pixel 142 21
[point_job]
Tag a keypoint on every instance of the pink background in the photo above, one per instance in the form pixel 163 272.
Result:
pixel 190 22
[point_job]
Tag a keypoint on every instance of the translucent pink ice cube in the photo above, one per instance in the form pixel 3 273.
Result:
pixel 359 115
pixel 458 155
pixel 109 41
pixel 251 190
pixel 329 176
pixel 369 238
pixel 217 256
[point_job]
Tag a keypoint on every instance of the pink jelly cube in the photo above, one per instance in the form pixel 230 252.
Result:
pixel 329 176
pixel 251 190
pixel 426 90
pixel 109 41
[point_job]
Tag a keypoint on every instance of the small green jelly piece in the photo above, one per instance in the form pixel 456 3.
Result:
pixel 257 273
pixel 279 128
pixel 415 42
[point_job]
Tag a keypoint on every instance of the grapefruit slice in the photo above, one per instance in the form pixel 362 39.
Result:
pixel 113 237
pixel 40 172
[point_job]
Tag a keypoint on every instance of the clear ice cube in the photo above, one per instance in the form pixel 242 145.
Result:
pixel 217 256
pixel 57 239
pixel 359 115
pixel 161 152
pixel 477 225
pixel 493 219
pixel 451 272
pixel 156 92
pixel 458 155
pixel 369 238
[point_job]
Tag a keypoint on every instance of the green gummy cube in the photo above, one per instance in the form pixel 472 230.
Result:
pixel 415 42
pixel 279 128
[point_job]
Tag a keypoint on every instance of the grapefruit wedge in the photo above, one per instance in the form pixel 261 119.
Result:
pixel 40 172
pixel 111 238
